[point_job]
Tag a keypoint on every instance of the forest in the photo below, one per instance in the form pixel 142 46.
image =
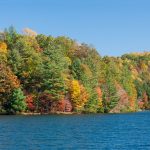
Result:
pixel 46 74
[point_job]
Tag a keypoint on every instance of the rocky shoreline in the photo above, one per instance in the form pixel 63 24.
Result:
pixel 62 113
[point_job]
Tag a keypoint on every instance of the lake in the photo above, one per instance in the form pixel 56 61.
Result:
pixel 129 131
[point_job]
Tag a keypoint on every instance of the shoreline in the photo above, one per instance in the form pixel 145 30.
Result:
pixel 63 113
pixel 51 113
pixel 36 113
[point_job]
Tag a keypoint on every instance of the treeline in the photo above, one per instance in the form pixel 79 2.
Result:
pixel 40 73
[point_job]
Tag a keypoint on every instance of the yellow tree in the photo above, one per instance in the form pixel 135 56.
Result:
pixel 3 51
pixel 3 48
pixel 79 95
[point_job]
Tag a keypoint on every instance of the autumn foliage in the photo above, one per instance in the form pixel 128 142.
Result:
pixel 79 96
pixel 45 74
pixel 64 106
pixel 30 102
pixel 3 48
pixel 99 93
pixel 8 81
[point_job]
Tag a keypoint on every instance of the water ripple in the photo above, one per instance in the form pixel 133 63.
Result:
pixel 109 132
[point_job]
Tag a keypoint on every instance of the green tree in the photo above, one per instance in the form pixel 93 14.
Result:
pixel 17 101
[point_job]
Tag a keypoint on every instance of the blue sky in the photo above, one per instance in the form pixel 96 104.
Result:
pixel 113 27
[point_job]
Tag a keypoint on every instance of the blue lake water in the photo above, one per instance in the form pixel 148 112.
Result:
pixel 72 132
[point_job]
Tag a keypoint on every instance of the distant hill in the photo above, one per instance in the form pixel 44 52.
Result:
pixel 40 73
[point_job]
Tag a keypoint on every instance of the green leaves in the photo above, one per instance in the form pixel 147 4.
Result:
pixel 17 102
pixel 45 66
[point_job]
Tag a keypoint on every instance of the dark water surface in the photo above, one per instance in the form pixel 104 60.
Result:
pixel 109 132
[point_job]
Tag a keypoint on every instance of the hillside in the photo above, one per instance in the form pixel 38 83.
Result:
pixel 40 73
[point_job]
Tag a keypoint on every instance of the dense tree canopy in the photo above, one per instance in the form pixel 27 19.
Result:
pixel 40 73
